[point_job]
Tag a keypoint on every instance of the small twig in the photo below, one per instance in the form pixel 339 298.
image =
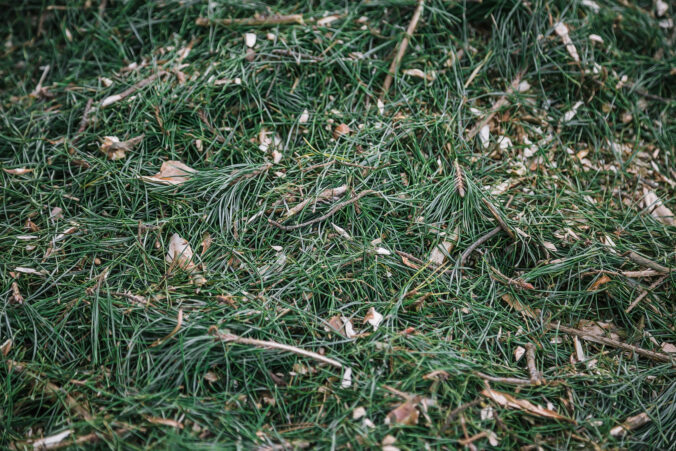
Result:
pixel 502 101
pixel 179 322
pixel 327 215
pixel 535 375
pixel 477 243
pixel 646 262
pixel 514 282
pixel 457 411
pixel 328 193
pixel 503 380
pixel 402 48
pixel 645 293
pixel 658 356
pixel 232 338
pixel 469 440
pixel 496 215
pixel 126 93
pixel 253 21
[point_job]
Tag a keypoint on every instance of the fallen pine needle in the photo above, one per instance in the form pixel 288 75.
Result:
pixel 179 322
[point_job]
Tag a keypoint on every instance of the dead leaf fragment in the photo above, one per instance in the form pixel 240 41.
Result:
pixel 657 208
pixel 417 73
pixel 116 149
pixel 171 173
pixel 438 254
pixel 358 413
pixel 341 130
pixel 507 400
pixel 406 413
pixel 18 171
pixel 179 253
pixel 16 296
pixel 668 348
pixel 630 423
pixel 52 441
pixel 519 307
pixel 562 30
pixel 437 375
pixel 604 279
pixel 373 318
pixel 6 347
pixel 165 422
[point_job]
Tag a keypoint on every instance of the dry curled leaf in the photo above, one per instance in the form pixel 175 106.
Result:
pixel 165 422
pixel 438 254
pixel 116 149
pixel 406 413
pixel 171 173
pixel 507 400
pixel 179 253
pixel 6 347
pixel 604 279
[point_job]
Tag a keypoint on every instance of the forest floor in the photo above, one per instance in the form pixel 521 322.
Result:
pixel 224 225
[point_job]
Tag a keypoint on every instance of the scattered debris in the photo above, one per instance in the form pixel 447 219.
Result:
pixel 630 424
pixel 373 318
pixel 562 30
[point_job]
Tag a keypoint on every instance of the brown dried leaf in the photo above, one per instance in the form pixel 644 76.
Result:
pixel 562 30
pixel 6 347
pixel 171 173
pixel 657 208
pixel 507 400
pixel 180 253
pixel 116 149
pixel 437 375
pixel 604 279
pixel 630 423
pixel 599 328
pixel 165 422
pixel 17 171
pixel 519 307
pixel 341 130
pixel 438 254
pixel 406 413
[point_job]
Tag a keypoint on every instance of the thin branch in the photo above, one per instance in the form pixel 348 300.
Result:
pixel 403 45
pixel 327 215
pixel 658 356
pixel 535 375
pixel 126 93
pixel 232 338
pixel 504 380
pixel 640 297
pixel 477 243
pixel 638 259
pixel 267 21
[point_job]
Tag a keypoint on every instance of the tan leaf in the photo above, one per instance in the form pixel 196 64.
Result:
pixel 630 423
pixel 6 347
pixel 519 307
pixel 437 375
pixel 405 413
pixel 507 400
pixel 165 422
pixel 17 171
pixel 420 74
pixel 116 149
pixel 373 318
pixel 668 348
pixel 604 279
pixel 341 130
pixel 171 173
pixel 210 376
pixel 562 30
pixel 179 253
pixel 657 208
pixel 438 254
pixel 336 324
pixel 599 328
